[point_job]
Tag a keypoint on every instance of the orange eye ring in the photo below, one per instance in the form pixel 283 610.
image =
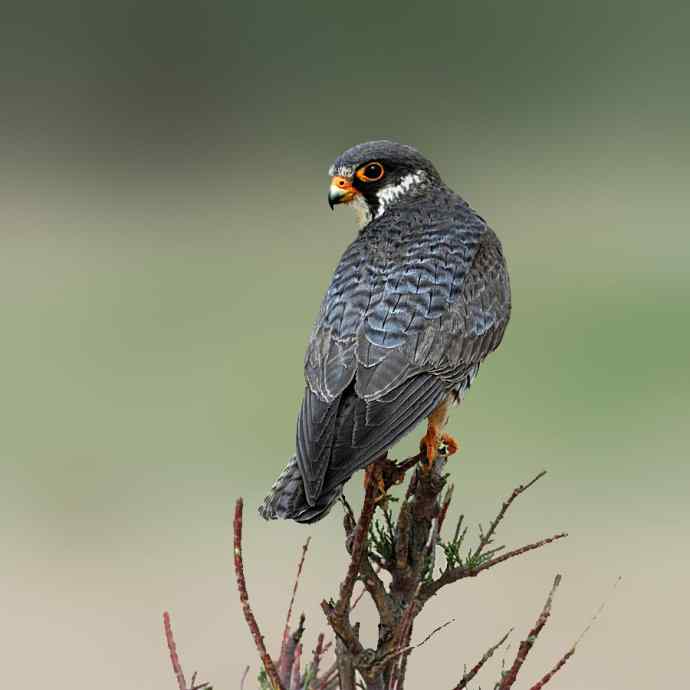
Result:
pixel 371 172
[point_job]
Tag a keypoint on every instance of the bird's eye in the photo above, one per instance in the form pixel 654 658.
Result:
pixel 371 172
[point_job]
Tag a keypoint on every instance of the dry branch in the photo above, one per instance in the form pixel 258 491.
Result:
pixel 266 660
pixel 289 674
pixel 406 548
pixel 526 645
pixel 467 677
pixel 338 614
pixel 300 566
pixel 175 659
pixel 395 559
pixel 455 574
pixel 547 677
pixel 172 648
pixel 486 538
pixel 566 657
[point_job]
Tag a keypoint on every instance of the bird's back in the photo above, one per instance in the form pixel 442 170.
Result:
pixel 380 357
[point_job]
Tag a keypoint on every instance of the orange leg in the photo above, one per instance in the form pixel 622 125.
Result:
pixel 435 441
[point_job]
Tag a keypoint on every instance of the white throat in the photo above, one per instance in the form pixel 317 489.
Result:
pixel 361 211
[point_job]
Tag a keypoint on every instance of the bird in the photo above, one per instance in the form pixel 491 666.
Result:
pixel 416 303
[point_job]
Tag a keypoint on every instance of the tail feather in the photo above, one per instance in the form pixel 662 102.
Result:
pixel 346 437
pixel 287 498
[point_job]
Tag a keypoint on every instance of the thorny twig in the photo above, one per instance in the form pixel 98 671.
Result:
pixel 289 644
pixel 564 659
pixel 526 645
pixel 266 660
pixel 437 629
pixel 172 648
pixel 358 598
pixel 300 565
pixel 287 674
pixel 455 574
pixel 548 676
pixel 486 538
pixel 469 675
pixel 175 660
pixel 338 615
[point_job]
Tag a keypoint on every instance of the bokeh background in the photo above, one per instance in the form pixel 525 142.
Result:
pixel 165 245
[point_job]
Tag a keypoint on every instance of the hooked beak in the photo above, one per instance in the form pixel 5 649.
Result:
pixel 341 191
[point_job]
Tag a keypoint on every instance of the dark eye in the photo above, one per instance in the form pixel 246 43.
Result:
pixel 370 172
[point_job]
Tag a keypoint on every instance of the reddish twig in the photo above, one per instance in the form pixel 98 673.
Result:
pixel 300 565
pixel 358 598
pixel 295 682
pixel 287 646
pixel 471 572
pixel 288 651
pixel 407 650
pixel 172 648
pixel 444 507
pixel 402 647
pixel 526 645
pixel 359 544
pixel 338 615
pixel 486 538
pixel 269 667
pixel 467 677
pixel 561 663
pixel 400 668
pixel 437 629
pixel 454 574
pixel 564 659
pixel 318 654
pixel 175 660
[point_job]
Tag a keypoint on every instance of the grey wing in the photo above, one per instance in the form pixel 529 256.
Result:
pixel 330 363
pixel 381 290
pixel 336 439
pixel 476 322
pixel 392 341
pixel 447 329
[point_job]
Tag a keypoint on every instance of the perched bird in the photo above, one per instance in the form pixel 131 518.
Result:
pixel 416 303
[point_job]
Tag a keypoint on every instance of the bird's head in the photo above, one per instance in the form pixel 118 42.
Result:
pixel 377 175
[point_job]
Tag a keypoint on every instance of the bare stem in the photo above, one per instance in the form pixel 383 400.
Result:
pixel 467 677
pixel 486 538
pixel 460 572
pixel 266 660
pixel 172 648
pixel 526 645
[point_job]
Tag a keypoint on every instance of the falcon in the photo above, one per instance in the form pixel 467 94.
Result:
pixel 417 302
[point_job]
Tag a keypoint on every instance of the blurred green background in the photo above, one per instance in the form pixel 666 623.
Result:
pixel 165 245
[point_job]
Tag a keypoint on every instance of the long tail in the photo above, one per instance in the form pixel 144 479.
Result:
pixel 335 445
pixel 287 499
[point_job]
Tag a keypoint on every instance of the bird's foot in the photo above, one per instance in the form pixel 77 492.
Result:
pixel 429 447
pixel 433 444
pixel 448 445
